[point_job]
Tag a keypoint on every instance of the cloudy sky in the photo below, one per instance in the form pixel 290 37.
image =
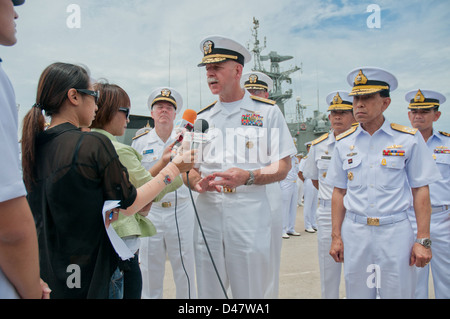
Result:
pixel 143 44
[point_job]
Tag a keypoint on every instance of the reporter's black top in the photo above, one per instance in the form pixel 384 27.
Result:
pixel 76 172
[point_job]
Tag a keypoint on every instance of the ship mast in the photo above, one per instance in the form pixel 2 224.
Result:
pixel 275 72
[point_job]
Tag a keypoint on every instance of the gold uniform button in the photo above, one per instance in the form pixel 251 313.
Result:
pixel 350 176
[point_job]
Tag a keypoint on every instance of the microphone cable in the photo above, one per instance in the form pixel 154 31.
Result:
pixel 204 237
pixel 179 246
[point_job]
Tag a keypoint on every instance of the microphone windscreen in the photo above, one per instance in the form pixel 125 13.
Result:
pixel 201 126
pixel 190 116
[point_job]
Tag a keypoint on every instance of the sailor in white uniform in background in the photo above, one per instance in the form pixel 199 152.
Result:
pixel 289 191
pixel 310 194
pixel 173 216
pixel 316 167
pixel 423 112
pixel 371 167
pixel 248 146
pixel 259 84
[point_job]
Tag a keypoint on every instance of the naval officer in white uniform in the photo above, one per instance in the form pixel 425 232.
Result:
pixel 316 167
pixel 173 216
pixel 248 145
pixel 423 112
pixel 371 167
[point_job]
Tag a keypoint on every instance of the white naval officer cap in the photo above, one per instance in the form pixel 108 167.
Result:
pixel 18 2
pixel 424 99
pixel 339 101
pixel 217 48
pixel 167 94
pixel 368 80
pixel 257 81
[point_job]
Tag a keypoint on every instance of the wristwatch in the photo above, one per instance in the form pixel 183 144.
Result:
pixel 251 179
pixel 425 242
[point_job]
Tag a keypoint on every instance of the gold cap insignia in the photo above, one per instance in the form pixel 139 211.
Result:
pixel 360 78
pixel 419 98
pixel 337 99
pixel 166 92
pixel 253 78
pixel 208 46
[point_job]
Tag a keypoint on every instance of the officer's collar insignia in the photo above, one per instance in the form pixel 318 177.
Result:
pixel 360 78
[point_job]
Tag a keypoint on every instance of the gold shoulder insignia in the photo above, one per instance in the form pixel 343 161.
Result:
pixel 137 136
pixel 207 108
pixel 320 139
pixel 355 124
pixel 404 129
pixel 263 100
pixel 347 133
pixel 444 133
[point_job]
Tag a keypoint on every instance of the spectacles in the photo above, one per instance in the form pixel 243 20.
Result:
pixel 126 110
pixel 95 94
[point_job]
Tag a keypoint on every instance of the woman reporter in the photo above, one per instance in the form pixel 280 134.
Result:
pixel 111 120
pixel 69 175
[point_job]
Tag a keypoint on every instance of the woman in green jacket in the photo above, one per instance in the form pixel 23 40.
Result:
pixel 111 120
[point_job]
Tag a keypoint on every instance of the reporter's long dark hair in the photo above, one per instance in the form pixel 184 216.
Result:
pixel 55 82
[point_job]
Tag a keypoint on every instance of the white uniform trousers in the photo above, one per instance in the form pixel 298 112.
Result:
pixel 330 271
pixel 273 191
pixel 153 250
pixel 309 204
pixel 289 192
pixel 300 191
pixel 440 262
pixel 237 228
pixel 376 260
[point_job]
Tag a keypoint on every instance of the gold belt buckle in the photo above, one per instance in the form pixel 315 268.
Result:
pixel 229 190
pixel 373 221
pixel 166 204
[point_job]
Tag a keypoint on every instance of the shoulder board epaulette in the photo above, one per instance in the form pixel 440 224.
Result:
pixel 142 134
pixel 263 100
pixel 347 133
pixel 355 124
pixel 444 133
pixel 404 129
pixel 320 139
pixel 207 108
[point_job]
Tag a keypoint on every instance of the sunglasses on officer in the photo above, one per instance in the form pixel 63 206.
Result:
pixel 95 94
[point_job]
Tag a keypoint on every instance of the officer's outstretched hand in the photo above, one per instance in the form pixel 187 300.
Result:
pixel 231 178
pixel 420 256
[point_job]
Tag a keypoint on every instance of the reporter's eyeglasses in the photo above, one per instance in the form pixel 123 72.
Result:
pixel 95 94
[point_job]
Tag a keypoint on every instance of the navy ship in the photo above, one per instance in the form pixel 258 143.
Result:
pixel 303 130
